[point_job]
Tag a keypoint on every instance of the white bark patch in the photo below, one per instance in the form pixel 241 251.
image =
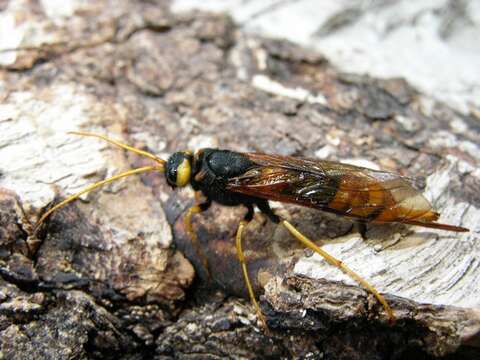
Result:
pixel 17 33
pixel 10 38
pixel 266 84
pixel 361 163
pixel 37 153
pixel 61 8
pixel 325 152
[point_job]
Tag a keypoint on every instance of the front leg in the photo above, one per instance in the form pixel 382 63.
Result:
pixel 241 258
pixel 198 208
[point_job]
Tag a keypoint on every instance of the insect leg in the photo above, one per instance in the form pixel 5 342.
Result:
pixel 198 208
pixel 362 229
pixel 265 208
pixel 333 261
pixel 243 264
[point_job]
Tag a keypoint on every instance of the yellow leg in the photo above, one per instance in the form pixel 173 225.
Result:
pixel 333 261
pixel 241 258
pixel 187 221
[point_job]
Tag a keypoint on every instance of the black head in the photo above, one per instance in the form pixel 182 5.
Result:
pixel 179 169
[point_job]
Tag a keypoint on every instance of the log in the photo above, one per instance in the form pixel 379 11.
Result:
pixel 115 275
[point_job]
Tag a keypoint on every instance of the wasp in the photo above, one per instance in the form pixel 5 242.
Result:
pixel 252 179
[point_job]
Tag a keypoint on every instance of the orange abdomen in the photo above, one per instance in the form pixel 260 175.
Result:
pixel 390 201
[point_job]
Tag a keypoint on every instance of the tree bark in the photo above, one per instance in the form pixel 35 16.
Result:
pixel 115 274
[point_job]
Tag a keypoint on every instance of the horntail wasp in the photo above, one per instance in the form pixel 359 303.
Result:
pixel 251 179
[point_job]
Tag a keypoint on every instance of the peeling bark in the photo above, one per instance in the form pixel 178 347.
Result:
pixel 110 272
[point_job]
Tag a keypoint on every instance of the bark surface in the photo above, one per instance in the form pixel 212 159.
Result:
pixel 115 274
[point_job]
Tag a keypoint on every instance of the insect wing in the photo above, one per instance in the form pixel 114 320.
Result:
pixel 343 189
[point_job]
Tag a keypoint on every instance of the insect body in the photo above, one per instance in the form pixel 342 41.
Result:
pixel 251 179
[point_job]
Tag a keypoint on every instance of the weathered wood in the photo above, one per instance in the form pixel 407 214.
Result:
pixel 108 273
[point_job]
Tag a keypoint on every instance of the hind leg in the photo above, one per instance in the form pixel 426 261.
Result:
pixel 335 262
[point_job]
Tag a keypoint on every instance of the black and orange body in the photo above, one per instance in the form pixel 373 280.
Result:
pixel 250 179
pixel 366 195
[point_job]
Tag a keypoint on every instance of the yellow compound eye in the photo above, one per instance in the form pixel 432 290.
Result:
pixel 184 171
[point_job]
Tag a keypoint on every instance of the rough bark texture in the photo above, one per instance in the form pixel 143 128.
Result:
pixel 109 276
pixel 433 44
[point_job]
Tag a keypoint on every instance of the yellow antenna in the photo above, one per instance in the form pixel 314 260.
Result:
pixel 119 144
pixel 160 168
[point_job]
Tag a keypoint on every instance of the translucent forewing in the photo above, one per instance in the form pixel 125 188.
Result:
pixel 364 194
